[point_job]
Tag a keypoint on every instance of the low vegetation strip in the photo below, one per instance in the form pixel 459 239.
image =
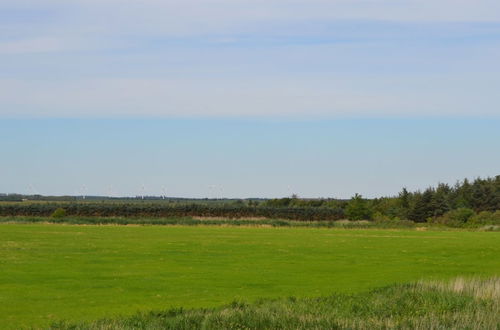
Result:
pixel 167 210
pixel 191 221
pixel 458 304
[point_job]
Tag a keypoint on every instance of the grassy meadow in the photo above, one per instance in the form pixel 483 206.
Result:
pixel 460 303
pixel 83 273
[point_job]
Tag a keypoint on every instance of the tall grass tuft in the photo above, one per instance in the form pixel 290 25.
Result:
pixel 477 287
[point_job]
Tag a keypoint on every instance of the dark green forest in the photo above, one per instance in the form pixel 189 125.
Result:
pixel 478 200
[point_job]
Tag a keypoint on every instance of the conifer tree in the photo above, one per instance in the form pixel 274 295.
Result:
pixel 423 206
pixel 358 209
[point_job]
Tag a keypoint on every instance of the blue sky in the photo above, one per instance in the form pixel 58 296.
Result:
pixel 242 157
pixel 228 84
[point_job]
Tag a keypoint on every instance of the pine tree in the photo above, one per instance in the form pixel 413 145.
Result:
pixel 404 198
pixel 358 209
pixel 463 195
pixel 423 206
pixel 440 202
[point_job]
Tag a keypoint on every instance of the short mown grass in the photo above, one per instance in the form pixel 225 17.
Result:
pixel 51 272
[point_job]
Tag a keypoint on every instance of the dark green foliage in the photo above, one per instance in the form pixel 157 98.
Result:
pixel 462 195
pixel 440 204
pixel 423 208
pixel 389 207
pixel 456 217
pixel 461 215
pixel 105 209
pixel 480 195
pixel 404 199
pixel 296 202
pixel 358 209
pixel 279 202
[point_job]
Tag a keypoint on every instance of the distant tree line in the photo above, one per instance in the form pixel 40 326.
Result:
pixel 21 197
pixel 232 210
pixel 481 195
pixel 476 201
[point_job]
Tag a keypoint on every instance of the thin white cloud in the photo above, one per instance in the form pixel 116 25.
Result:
pixel 397 10
pixel 194 17
pixel 37 45
pixel 121 62
pixel 346 97
pixel 188 17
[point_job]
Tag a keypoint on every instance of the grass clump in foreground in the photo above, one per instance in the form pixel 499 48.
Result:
pixel 458 304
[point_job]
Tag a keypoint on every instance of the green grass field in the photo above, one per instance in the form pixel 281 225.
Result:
pixel 461 303
pixel 53 272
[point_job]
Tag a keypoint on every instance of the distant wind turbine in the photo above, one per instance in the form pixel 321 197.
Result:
pixel 211 188
pixel 83 190
pixel 32 189
pixel 110 191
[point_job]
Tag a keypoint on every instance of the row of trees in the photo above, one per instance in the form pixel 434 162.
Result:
pixel 419 206
pixel 480 195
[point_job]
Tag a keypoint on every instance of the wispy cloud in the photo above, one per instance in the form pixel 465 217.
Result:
pixel 249 58
pixel 271 97
pixel 37 45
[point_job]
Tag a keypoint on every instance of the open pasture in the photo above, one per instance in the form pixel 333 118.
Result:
pixel 53 272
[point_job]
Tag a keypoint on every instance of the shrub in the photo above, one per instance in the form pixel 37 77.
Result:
pixel 59 213
pixel 454 217
pixel 379 217
pixel 461 215
pixel 486 218
pixel 358 209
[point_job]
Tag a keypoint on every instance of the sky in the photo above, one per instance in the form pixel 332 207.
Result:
pixel 242 98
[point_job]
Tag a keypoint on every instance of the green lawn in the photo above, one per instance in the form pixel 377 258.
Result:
pixel 50 272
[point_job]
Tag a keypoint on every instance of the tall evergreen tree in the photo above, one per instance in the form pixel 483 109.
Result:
pixel 463 195
pixel 440 200
pixel 423 206
pixel 404 197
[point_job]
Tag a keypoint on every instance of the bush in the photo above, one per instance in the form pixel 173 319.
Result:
pixel 454 217
pixel 461 215
pixel 358 209
pixel 379 217
pixel 59 213
pixel 486 218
